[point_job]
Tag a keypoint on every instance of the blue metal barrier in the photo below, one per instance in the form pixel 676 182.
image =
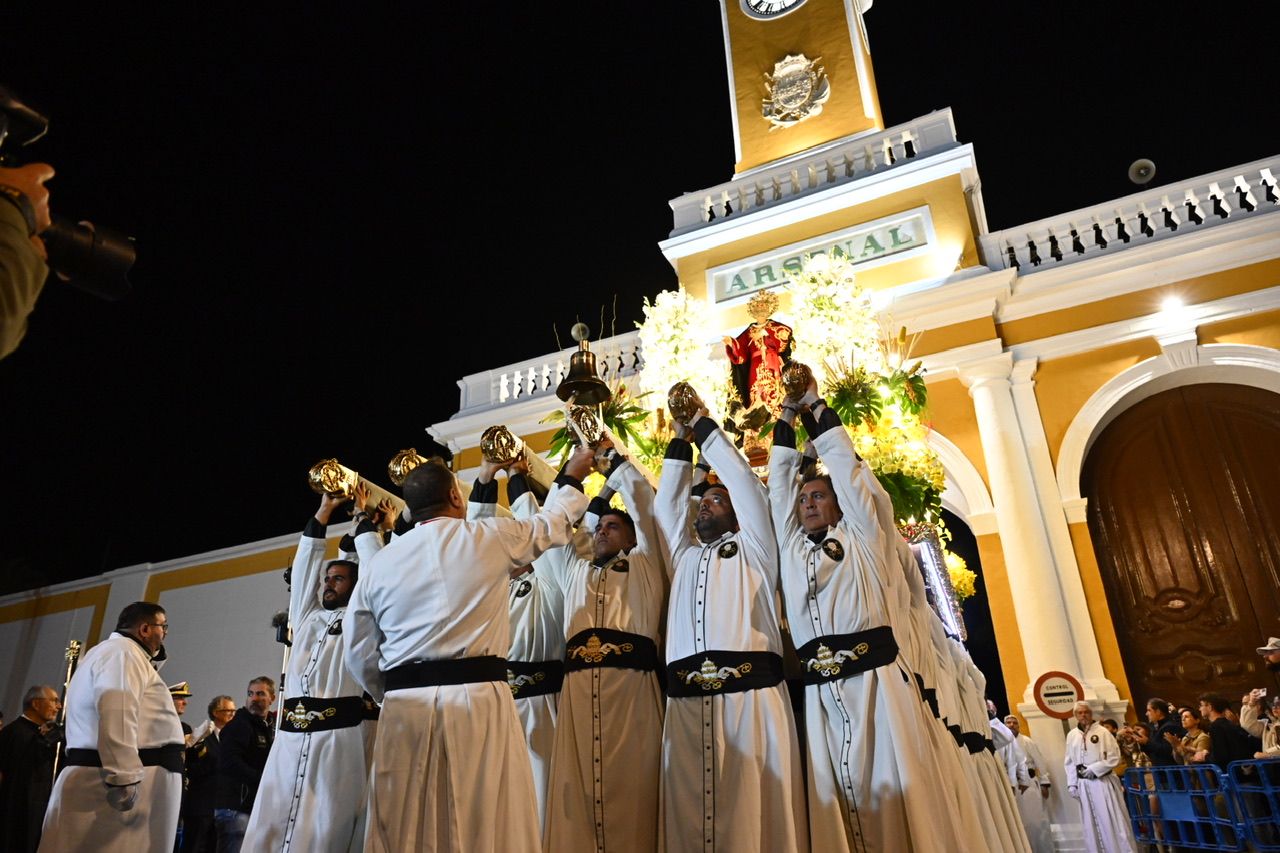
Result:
pixel 1256 788
pixel 1184 806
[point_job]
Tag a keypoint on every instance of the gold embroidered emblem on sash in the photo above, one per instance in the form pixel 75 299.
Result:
pixel 828 663
pixel 594 651
pixel 515 682
pixel 301 718
pixel 712 677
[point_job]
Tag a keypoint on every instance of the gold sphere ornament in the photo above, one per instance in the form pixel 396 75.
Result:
pixel 330 477
pixel 796 377
pixel 683 402
pixel 402 463
pixel 499 446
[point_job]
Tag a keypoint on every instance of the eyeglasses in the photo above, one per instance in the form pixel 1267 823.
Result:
pixel 224 710
pixel 163 626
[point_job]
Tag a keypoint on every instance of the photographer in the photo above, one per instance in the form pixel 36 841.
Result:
pixel 24 213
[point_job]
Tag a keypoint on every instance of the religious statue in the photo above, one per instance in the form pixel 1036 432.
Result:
pixel 758 355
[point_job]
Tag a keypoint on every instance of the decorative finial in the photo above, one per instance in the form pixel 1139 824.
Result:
pixel 580 332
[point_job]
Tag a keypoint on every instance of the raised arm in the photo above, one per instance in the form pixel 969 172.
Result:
pixel 524 541
pixel 671 505
pixel 857 503
pixel 305 592
pixel 364 638
pixel 785 463
pixel 553 564
pixel 750 501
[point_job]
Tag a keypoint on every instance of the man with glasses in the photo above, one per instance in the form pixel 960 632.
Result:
pixel 27 748
pixel 122 786
pixel 198 835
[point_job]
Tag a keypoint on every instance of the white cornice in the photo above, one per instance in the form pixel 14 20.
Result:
pixel 964 296
pixel 946 364
pixel 952 161
pixel 1143 267
pixel 523 417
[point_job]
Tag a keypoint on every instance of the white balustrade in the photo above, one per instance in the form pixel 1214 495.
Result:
pixel 838 163
pixel 616 358
pixel 1231 195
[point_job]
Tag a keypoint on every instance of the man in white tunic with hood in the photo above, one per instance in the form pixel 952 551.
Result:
pixel 1092 754
pixel 428 628
pixel 122 786
pixel 875 784
pixel 312 793
pixel 731 777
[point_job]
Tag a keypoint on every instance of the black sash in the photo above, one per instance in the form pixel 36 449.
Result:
pixel 534 678
pixel 435 673
pixel 171 756
pixel 722 671
pixel 606 647
pixel 928 694
pixel 307 714
pixel 835 656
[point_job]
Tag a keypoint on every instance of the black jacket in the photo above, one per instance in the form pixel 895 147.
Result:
pixel 1158 749
pixel 1228 742
pixel 242 753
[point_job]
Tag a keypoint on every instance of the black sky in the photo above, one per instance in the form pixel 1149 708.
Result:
pixel 338 214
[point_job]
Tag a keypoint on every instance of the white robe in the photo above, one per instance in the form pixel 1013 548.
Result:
pixel 1032 804
pixel 874 782
pixel 116 704
pixel 312 793
pixel 1102 809
pixel 451 766
pixel 731 777
pixel 607 759
pixel 536 609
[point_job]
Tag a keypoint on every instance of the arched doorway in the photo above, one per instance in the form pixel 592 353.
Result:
pixel 1184 506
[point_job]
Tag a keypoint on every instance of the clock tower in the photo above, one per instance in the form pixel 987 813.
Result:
pixel 799 76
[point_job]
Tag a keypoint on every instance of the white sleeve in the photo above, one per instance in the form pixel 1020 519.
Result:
pixel 671 509
pixel 1110 753
pixel 750 503
pixel 362 652
pixel 784 491
pixel 525 540
pixel 119 682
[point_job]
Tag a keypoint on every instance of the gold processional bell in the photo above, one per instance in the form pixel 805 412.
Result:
pixel 582 383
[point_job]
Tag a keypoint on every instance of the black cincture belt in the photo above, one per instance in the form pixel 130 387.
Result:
pixel 606 647
pixel 928 694
pixel 835 656
pixel 722 671
pixel 534 678
pixel 171 756
pixel 308 714
pixel 435 673
pixel 976 742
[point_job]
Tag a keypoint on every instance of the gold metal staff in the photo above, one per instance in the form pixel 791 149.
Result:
pixel 331 477
pixel 72 656
pixel 501 446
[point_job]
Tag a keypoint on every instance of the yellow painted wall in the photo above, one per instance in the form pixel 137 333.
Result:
pixel 1143 303
pixel 818 29
pixel 1064 385
pixel 1259 330
pixel 951 413
pixel 95 597
pixel 954 244
pixel 953 336
pixel 995 576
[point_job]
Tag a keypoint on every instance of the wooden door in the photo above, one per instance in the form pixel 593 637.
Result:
pixel 1184 511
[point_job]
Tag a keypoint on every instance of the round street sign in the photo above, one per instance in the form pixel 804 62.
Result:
pixel 1056 693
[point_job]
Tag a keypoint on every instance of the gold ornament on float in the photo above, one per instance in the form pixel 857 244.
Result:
pixel 683 402
pixel 402 463
pixel 499 446
pixel 331 477
pixel 796 377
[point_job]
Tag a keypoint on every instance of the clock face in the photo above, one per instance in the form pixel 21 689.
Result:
pixel 765 9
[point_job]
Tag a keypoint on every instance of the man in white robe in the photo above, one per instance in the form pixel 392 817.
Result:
pixel 312 793
pixel 428 627
pixel 122 786
pixel 535 604
pixel 874 781
pixel 731 774
pixel 1033 803
pixel 606 765
pixel 1091 755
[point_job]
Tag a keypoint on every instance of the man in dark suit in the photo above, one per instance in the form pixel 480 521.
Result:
pixel 27 749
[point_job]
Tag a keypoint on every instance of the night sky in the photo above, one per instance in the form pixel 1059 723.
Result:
pixel 338 215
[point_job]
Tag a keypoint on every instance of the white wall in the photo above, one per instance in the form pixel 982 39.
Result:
pixel 33 651
pixel 222 636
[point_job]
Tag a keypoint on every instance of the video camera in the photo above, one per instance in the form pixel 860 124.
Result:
pixel 93 258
